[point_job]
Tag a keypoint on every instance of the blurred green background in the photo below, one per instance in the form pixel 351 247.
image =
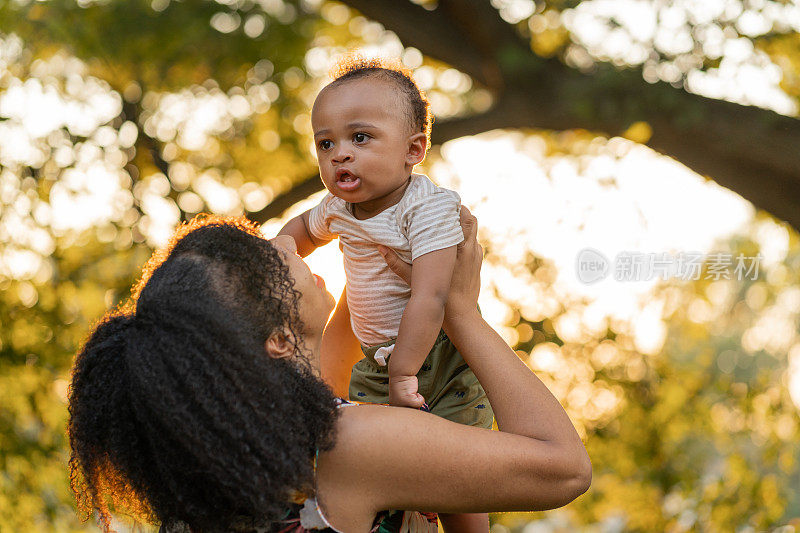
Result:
pixel 651 126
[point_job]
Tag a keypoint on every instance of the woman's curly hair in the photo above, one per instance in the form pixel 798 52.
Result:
pixel 177 414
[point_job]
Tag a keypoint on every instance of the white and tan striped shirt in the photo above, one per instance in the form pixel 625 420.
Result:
pixel 424 220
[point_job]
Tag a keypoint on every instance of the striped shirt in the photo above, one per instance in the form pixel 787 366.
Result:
pixel 425 219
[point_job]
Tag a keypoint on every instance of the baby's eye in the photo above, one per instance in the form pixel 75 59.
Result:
pixel 325 145
pixel 360 137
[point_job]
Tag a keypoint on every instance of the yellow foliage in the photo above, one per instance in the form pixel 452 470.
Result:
pixel 639 132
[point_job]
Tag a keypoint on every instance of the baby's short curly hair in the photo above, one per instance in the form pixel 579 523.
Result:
pixel 418 108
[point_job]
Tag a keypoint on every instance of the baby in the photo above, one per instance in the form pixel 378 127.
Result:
pixel 371 127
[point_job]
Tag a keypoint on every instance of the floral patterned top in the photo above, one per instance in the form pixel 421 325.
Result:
pixel 308 518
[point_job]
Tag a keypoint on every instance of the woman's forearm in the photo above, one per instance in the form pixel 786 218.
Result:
pixel 522 404
pixel 340 349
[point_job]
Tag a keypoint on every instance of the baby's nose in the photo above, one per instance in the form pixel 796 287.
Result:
pixel 342 155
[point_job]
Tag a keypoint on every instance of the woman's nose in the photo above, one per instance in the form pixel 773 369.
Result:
pixel 285 242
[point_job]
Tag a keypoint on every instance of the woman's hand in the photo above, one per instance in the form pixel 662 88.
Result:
pixel 466 282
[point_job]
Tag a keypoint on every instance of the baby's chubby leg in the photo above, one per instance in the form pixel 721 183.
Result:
pixel 465 522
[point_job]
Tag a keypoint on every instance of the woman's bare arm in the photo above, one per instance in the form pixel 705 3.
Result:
pixel 340 349
pixel 396 458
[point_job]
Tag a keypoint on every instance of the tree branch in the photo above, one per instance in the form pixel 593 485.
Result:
pixel 131 112
pixel 749 150
pixel 413 23
pixel 282 202
pixel 752 151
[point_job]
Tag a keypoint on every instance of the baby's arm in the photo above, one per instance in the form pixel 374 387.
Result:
pixel 420 325
pixel 297 228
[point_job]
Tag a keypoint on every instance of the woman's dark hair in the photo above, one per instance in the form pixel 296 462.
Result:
pixel 177 414
pixel 418 108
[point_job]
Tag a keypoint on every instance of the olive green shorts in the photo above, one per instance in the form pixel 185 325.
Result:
pixel 446 382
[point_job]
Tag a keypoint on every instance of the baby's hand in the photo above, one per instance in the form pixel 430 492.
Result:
pixel 403 392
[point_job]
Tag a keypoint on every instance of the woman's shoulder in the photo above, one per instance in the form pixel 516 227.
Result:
pixel 341 502
pixel 343 471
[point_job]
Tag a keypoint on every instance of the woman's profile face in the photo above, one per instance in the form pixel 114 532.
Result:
pixel 315 303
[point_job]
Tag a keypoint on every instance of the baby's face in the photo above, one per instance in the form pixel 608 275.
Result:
pixel 362 139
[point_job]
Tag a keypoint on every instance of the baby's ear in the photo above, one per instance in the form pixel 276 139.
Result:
pixel 417 146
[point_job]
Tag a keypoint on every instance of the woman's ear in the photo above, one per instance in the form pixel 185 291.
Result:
pixel 279 344
pixel 417 146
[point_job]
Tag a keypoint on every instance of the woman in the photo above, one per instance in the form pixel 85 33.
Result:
pixel 199 403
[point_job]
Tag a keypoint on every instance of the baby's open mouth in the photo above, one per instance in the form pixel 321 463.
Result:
pixel 346 181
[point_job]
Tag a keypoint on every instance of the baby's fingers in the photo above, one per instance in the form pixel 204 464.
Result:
pixel 397 265
pixel 415 401
pixel 419 401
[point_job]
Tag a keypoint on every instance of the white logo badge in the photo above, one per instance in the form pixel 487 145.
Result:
pixel 591 266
